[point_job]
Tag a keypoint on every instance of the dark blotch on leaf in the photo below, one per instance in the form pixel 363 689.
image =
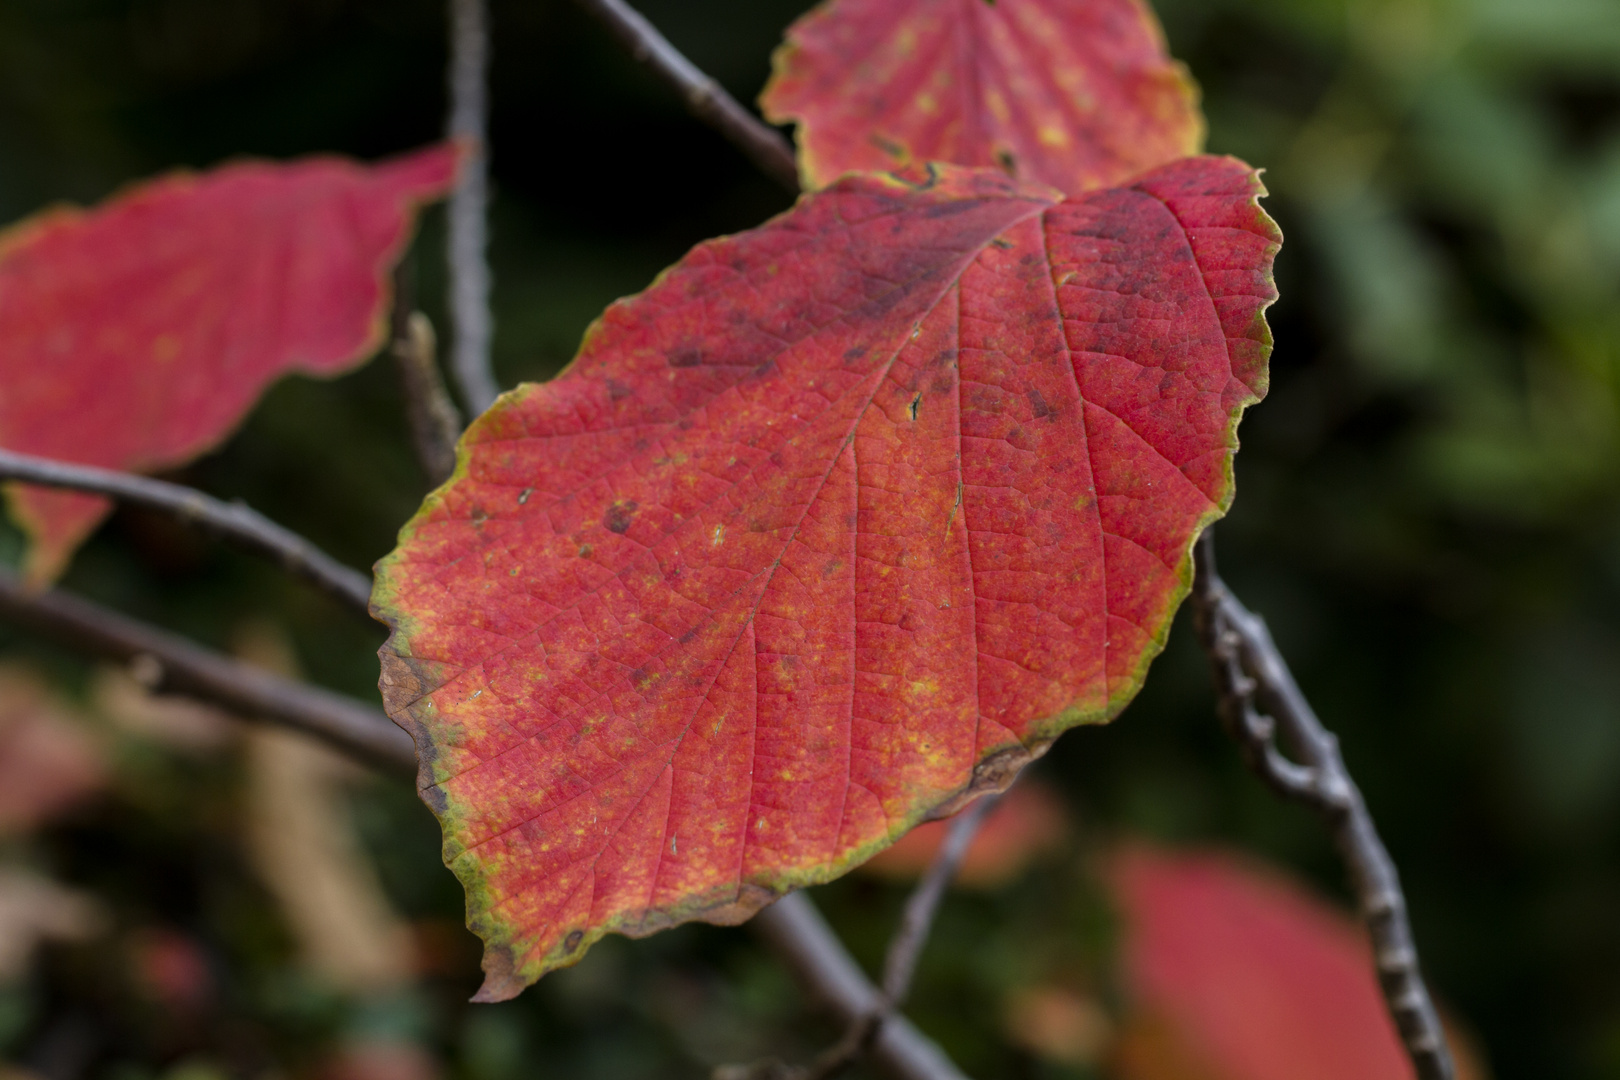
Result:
pixel 888 146
pixel 617 518
pixel 684 358
pixel 571 942
pixel 1038 405
pixel 435 798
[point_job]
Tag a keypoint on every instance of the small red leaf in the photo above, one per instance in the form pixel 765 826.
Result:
pixel 1238 974
pixel 1028 822
pixel 137 335
pixel 1079 94
pixel 844 518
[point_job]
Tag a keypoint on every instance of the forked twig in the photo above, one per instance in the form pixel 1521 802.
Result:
pixel 705 99
pixel 801 937
pixel 905 947
pixel 434 422
pixel 1250 676
pixel 468 240
pixel 871 1013
pixel 168 663
pixel 232 520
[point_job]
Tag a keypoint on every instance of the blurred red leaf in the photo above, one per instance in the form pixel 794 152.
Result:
pixel 1236 973
pixel 1079 94
pixel 48 759
pixel 138 334
pixel 1029 820
pixel 171 969
pixel 842 519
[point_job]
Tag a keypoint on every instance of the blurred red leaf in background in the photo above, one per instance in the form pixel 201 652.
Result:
pixel 1236 973
pixel 138 334
pixel 1028 822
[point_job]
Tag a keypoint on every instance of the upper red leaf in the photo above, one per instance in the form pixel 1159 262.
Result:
pixel 138 334
pixel 1238 974
pixel 842 520
pixel 1079 94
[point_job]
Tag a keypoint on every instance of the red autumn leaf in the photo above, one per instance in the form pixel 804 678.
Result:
pixel 843 519
pixel 1028 822
pixel 1238 974
pixel 1079 94
pixel 138 334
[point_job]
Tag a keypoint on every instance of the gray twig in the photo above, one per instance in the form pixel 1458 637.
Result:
pixel 435 423
pixel 468 239
pixel 1250 676
pixel 233 520
pixel 801 937
pixel 705 99
pixel 900 962
pixel 872 1025
pixel 923 904
pixel 167 663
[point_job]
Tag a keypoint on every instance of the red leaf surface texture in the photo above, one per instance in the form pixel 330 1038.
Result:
pixel 137 335
pixel 1078 94
pixel 839 523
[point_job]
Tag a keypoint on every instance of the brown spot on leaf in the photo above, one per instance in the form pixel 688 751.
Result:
pixel 617 518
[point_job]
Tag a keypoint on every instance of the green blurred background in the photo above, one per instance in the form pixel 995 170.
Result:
pixel 1428 514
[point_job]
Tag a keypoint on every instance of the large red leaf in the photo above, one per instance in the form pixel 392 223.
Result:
pixel 1078 94
pixel 840 522
pixel 1238 974
pixel 138 334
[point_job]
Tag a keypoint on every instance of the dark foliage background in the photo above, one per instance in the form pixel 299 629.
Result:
pixel 1429 513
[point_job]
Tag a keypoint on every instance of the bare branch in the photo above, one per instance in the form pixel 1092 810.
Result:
pixel 435 423
pixel 468 239
pixel 905 947
pixel 233 520
pixel 168 663
pixel 923 904
pixel 1250 675
pixel 801 937
pixel 705 99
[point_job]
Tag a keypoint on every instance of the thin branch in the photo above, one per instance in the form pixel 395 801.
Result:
pixel 168 663
pixel 468 239
pixel 801 937
pixel 1251 675
pixel 233 520
pixel 435 423
pixel 705 99
pixel 900 962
